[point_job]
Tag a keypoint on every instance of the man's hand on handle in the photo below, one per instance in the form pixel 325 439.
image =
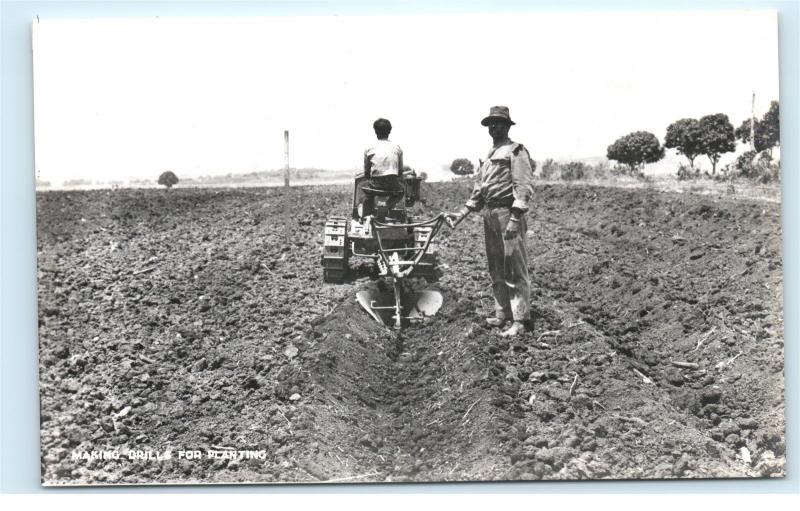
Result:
pixel 453 219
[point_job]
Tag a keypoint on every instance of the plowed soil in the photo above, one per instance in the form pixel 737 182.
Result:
pixel 197 320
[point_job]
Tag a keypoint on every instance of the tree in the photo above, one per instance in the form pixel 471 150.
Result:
pixel 168 179
pixel 461 167
pixel 743 133
pixel 767 131
pixel 772 126
pixel 717 138
pixel 635 149
pixel 684 135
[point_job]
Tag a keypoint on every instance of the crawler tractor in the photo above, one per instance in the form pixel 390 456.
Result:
pixel 382 229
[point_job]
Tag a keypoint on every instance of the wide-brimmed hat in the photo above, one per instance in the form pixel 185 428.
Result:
pixel 498 112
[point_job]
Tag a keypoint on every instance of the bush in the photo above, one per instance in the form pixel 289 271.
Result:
pixel 726 174
pixel 549 167
pixel 573 170
pixel 687 172
pixel 756 166
pixel 600 171
pixel 619 170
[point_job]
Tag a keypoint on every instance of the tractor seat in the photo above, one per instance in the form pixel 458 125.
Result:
pixel 389 193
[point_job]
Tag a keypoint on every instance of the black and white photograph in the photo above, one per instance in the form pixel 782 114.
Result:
pixel 500 246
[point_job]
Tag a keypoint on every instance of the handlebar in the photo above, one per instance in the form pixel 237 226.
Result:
pixel 438 219
pixel 434 224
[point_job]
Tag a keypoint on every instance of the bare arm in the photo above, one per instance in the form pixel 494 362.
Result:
pixel 367 163
pixel 399 162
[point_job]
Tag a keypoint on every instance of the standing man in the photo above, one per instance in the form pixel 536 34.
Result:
pixel 503 190
pixel 383 160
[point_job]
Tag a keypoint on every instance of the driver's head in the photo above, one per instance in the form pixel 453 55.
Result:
pixel 382 128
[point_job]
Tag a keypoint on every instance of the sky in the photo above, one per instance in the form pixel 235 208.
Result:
pixel 122 99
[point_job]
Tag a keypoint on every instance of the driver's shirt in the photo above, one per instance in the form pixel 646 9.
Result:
pixel 383 158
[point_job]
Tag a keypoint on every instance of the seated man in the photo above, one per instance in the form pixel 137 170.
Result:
pixel 383 160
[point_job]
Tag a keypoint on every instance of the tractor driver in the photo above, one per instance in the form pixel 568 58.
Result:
pixel 503 190
pixel 383 160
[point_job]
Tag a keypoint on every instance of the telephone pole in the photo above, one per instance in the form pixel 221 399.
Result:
pixel 286 156
pixel 753 122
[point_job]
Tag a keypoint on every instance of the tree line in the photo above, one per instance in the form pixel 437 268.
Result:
pixel 711 136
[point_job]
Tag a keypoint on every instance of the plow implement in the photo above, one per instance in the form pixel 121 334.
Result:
pixel 401 303
pixel 388 307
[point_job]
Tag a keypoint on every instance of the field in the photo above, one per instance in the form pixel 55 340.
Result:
pixel 196 319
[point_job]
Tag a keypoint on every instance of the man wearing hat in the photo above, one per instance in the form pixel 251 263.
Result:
pixel 503 189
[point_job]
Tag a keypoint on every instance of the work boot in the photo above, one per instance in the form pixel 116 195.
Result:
pixel 516 328
pixel 497 320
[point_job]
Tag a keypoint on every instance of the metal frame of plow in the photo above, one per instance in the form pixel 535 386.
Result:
pixel 391 264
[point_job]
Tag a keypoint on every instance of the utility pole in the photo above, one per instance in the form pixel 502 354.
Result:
pixel 753 122
pixel 286 156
